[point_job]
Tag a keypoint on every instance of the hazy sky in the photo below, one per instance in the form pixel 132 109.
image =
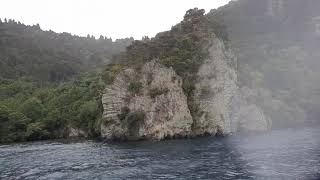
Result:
pixel 111 18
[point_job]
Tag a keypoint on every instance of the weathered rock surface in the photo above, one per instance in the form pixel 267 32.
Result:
pixel 74 132
pixel 165 113
pixel 215 89
pixel 245 115
pixel 159 109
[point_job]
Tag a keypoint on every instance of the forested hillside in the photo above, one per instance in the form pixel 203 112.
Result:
pixel 50 83
pixel 277 45
pixel 183 48
pixel 30 53
pixel 30 110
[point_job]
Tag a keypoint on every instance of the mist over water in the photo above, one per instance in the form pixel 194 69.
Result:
pixel 286 154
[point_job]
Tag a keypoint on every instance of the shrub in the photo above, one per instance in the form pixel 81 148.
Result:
pixel 188 86
pixel 33 109
pixel 36 131
pixel 111 73
pixel 157 92
pixel 87 112
pixel 123 113
pixel 205 91
pixel 135 87
pixel 134 120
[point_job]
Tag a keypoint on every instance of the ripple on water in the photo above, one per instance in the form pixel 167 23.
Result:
pixel 288 154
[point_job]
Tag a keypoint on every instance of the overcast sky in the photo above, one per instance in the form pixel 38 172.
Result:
pixel 111 18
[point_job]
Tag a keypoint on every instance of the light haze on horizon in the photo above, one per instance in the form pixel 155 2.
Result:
pixel 112 18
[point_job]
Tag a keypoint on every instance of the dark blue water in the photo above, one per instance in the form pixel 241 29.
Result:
pixel 288 154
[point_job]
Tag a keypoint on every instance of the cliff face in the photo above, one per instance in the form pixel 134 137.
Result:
pixel 278 55
pixel 214 90
pixel 181 83
pixel 158 107
pixel 224 107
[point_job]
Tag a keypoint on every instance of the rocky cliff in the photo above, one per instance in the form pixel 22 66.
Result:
pixel 151 104
pixel 148 105
pixel 189 96
pixel 277 46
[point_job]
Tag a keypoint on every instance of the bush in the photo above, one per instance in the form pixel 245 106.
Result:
pixel 135 87
pixel 157 92
pixel 88 112
pixel 205 91
pixel 33 108
pixel 134 120
pixel 124 112
pixel 111 73
pixel 36 131
pixel 188 87
pixel 44 113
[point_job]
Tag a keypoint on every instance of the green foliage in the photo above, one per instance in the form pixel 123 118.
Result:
pixel 135 87
pixel 124 113
pixel 36 113
pixel 205 91
pixel 188 86
pixel 180 48
pixel 88 112
pixel 183 48
pixel 111 72
pixel 33 109
pixel 278 61
pixel 37 131
pixel 41 93
pixel 134 120
pixel 30 53
pixel 13 125
pixel 157 92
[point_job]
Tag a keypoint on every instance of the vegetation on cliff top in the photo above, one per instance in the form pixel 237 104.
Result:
pixel 277 46
pixel 42 94
pixel 183 48
pixel 27 52
pixel 48 81
pixel 28 112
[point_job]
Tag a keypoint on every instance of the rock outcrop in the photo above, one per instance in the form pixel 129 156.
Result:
pixel 155 109
pixel 74 132
pixel 214 91
pixel 151 103
pixel 224 107
pixel 245 115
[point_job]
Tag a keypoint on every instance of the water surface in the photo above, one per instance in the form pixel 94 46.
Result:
pixel 287 154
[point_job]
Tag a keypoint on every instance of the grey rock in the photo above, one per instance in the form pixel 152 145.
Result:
pixel 166 115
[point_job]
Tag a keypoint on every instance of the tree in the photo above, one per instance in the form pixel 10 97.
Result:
pixel 33 109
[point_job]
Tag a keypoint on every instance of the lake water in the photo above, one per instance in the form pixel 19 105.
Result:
pixel 287 154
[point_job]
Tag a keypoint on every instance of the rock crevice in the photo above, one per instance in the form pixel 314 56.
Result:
pixel 151 104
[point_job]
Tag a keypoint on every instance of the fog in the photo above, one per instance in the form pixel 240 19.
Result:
pixel 232 92
pixel 277 44
pixel 112 18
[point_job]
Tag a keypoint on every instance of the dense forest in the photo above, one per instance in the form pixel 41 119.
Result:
pixel 277 42
pixel 182 48
pixel 50 82
pixel 37 101
pixel 45 56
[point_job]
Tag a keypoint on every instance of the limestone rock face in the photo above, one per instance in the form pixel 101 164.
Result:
pixel 224 107
pixel 160 103
pixel 74 132
pixel 151 104
pixel 214 90
pixel 246 115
